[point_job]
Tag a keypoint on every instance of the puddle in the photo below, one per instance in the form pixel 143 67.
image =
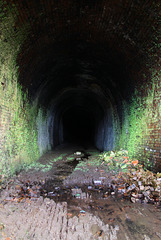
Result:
pixel 53 188
pixel 73 163
pixel 102 200
pixel 135 219
pixel 99 197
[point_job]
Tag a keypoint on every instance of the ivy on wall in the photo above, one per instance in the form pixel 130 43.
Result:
pixel 135 133
pixel 140 123
pixel 18 137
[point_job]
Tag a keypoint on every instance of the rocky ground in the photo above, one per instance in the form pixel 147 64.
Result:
pixel 70 194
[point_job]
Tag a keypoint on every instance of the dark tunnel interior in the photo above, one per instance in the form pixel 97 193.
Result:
pixel 80 81
pixel 86 68
pixel 79 118
pixel 78 126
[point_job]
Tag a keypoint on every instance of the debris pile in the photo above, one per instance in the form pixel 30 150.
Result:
pixel 116 176
pixel 20 191
pixel 132 181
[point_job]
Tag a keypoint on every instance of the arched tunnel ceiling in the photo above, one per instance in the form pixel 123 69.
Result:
pixel 73 43
pixel 98 56
pixel 85 66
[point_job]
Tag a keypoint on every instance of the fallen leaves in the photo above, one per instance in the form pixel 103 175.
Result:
pixel 125 161
pixel 132 181
pixel 4 235
pixel 117 161
pixel 23 191
pixel 135 162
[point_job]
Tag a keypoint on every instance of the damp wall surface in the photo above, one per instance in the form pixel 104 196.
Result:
pixel 80 72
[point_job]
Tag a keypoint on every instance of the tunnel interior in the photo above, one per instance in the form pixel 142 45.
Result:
pixel 82 76
pixel 84 72
pixel 79 116
pixel 78 126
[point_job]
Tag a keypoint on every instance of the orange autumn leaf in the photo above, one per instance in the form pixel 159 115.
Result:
pixel 135 162
pixel 125 157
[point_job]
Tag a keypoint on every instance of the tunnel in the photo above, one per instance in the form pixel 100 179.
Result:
pixel 80 118
pixel 79 72
pixel 78 126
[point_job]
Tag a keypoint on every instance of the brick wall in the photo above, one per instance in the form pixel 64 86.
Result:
pixel 5 118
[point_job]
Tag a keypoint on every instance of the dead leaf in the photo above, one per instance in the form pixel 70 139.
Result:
pixel 135 162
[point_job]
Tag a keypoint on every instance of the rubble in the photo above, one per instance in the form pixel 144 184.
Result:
pixel 132 180
pixel 126 179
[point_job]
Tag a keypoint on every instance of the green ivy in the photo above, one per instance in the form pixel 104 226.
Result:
pixel 19 145
pixel 138 115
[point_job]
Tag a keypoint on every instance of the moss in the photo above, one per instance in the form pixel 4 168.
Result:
pixel 116 127
pixel 139 114
pixel 70 158
pixel 19 146
pixel 39 167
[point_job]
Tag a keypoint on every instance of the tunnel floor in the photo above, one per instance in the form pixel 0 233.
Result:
pixel 67 194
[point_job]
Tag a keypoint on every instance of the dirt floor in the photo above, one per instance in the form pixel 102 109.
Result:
pixel 72 196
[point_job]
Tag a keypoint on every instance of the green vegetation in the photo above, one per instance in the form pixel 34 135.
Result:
pixel 60 157
pixel 135 131
pixel 69 158
pixel 20 122
pixel 36 166
pixel 93 161
pixel 47 166
pixel 118 161
pixel 17 117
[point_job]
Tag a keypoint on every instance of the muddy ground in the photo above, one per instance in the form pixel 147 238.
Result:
pixel 69 196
